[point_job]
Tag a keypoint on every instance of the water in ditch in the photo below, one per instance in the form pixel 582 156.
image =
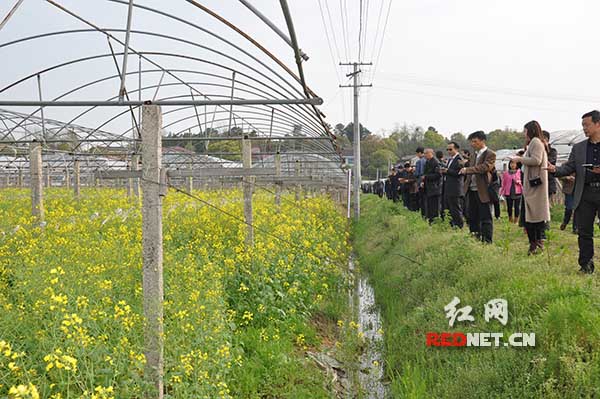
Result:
pixel 370 375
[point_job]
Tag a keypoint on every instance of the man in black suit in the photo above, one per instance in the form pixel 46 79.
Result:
pixel 454 185
pixel 432 185
pixel 587 186
pixel 395 185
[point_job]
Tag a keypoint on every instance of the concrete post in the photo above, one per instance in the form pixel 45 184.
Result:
pixel 297 174
pixel 37 186
pixel 349 191
pixel 47 168
pixel 20 178
pixel 130 180
pixel 67 178
pixel 77 178
pixel 135 165
pixel 248 188
pixel 152 248
pixel 277 176
pixel 190 180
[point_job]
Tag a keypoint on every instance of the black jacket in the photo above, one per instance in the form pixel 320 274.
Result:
pixel 432 178
pixel 454 184
pixel 552 158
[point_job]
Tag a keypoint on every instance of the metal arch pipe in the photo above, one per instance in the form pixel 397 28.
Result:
pixel 89 84
pixel 136 103
pixel 111 140
pixel 224 86
pixel 290 24
pixel 230 25
pixel 10 13
pixel 126 50
pixel 219 120
pixel 133 50
pixel 105 123
pixel 175 18
pixel 184 82
pixel 271 25
pixel 84 59
pixel 292 35
pixel 172 111
pixel 150 34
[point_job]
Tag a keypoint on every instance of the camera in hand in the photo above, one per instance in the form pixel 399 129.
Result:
pixel 590 166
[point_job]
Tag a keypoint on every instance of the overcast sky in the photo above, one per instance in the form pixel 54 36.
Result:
pixel 457 65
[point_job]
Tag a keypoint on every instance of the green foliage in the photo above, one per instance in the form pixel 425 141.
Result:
pixel 502 139
pixel 433 139
pixel 348 131
pixel 545 294
pixel 226 147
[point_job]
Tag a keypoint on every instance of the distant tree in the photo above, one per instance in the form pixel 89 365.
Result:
pixel 226 147
pixel 505 139
pixel 432 139
pixel 348 131
pixel 460 139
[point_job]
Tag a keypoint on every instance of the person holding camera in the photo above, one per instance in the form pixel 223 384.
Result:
pixel 478 177
pixel 584 161
pixel 535 185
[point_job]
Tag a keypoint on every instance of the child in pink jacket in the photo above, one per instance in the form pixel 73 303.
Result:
pixel 512 190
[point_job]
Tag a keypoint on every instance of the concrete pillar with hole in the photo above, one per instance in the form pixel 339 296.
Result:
pixel 152 249
pixel 248 188
pixel 37 184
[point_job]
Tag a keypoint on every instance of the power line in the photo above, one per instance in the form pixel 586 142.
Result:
pixel 476 87
pixel 468 99
pixel 332 29
pixel 344 19
pixel 360 27
pixel 329 42
pixel 366 28
pixel 377 29
pixel 382 39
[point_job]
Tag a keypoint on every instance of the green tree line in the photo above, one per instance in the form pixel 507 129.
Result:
pixel 378 152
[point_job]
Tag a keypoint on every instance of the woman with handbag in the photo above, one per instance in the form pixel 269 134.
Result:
pixel 535 186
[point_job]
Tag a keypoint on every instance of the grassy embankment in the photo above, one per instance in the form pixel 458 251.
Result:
pixel 545 295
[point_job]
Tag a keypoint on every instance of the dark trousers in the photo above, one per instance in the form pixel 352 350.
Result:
pixel 406 198
pixel 586 215
pixel 395 194
pixel 535 231
pixel 413 202
pixel 516 203
pixel 433 207
pixel 480 217
pixel 423 203
pixel 454 205
pixel 569 199
pixel 497 210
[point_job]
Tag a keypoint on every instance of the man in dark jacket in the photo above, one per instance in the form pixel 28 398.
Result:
pixel 402 175
pixel 552 158
pixel 432 185
pixel 388 186
pixel 395 185
pixel 454 185
pixel 587 186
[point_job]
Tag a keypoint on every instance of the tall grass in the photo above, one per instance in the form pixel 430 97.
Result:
pixel 545 295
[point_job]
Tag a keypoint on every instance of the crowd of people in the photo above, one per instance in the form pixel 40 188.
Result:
pixel 464 186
